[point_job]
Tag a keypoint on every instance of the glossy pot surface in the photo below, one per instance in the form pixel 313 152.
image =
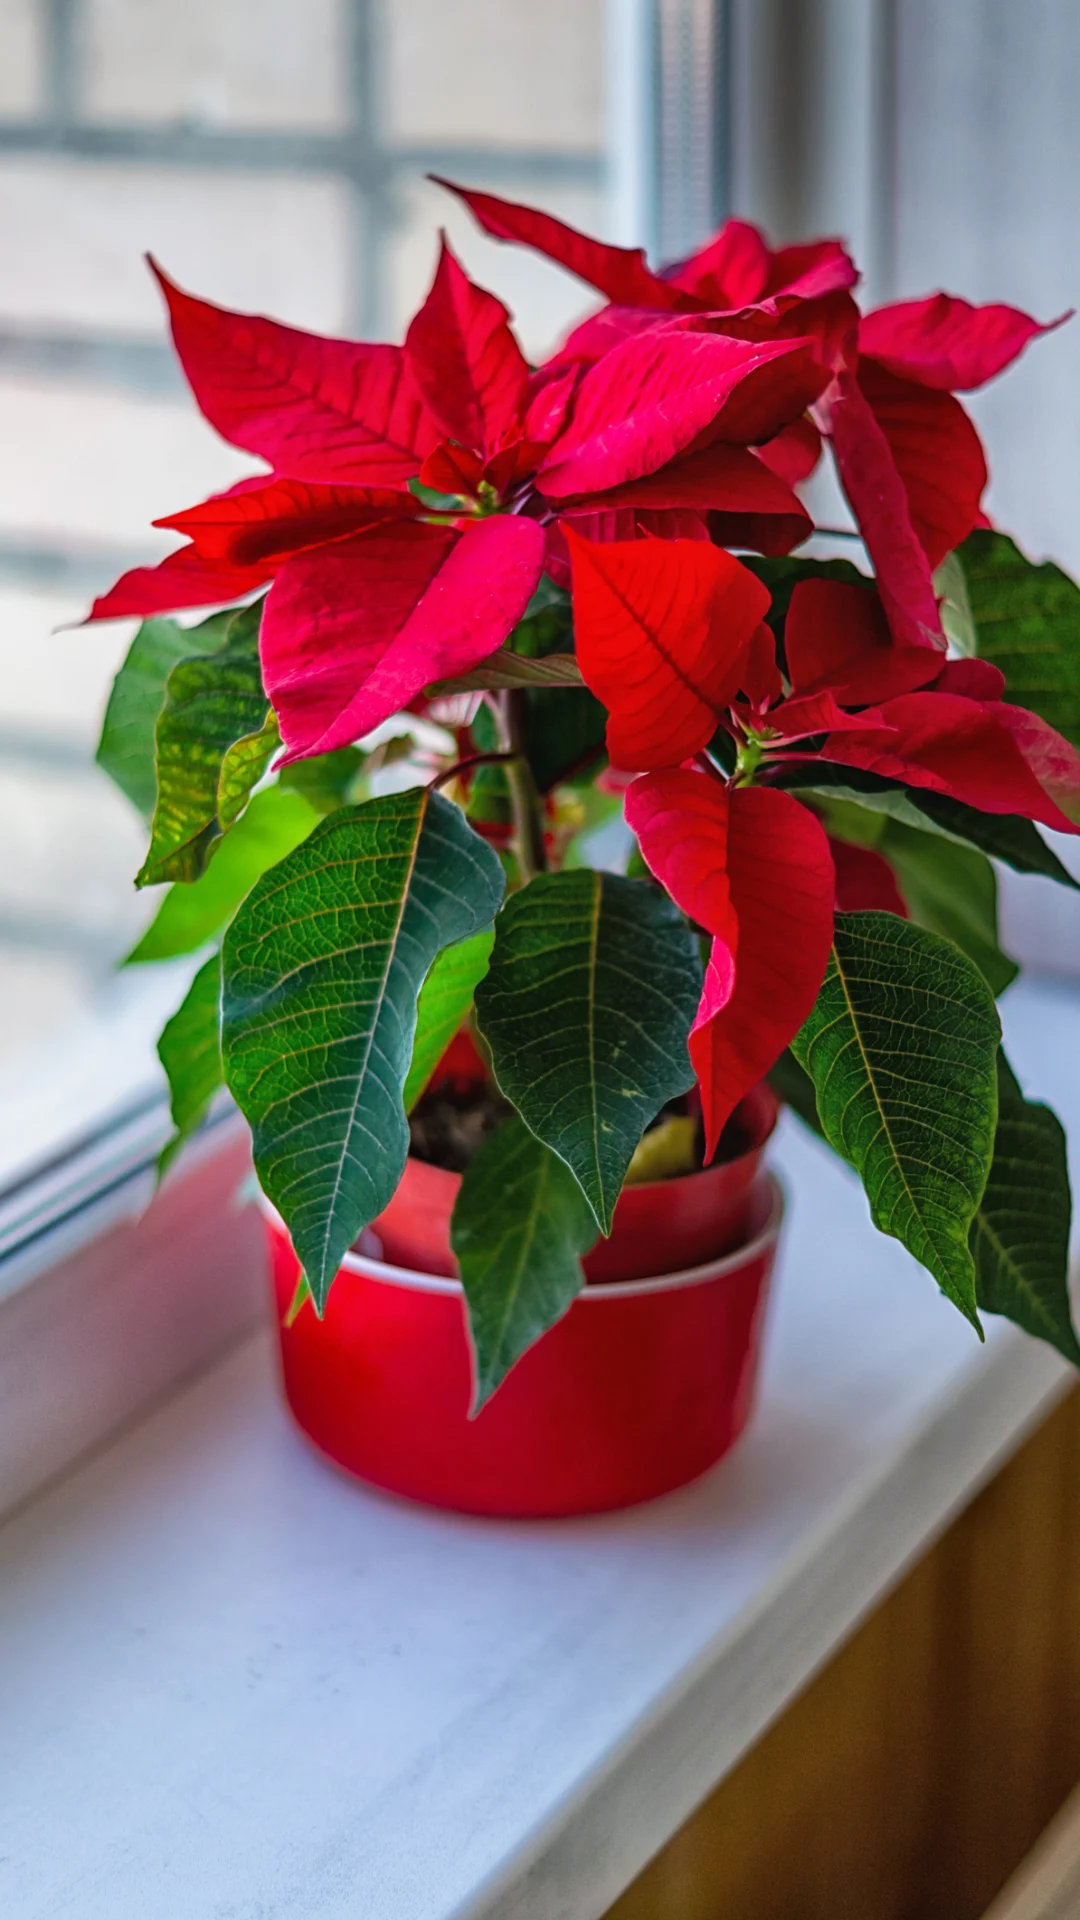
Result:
pixel 659 1227
pixel 639 1388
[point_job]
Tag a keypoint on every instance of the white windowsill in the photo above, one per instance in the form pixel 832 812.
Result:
pixel 238 1685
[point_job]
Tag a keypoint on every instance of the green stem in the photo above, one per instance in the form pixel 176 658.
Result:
pixel 750 755
pixel 525 802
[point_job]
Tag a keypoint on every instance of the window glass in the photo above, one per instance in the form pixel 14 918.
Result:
pixel 272 154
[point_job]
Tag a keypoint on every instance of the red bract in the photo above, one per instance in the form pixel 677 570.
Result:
pixel 978 751
pixel 947 343
pixel 736 269
pixel 934 725
pixel 674 646
pixel 662 630
pixel 865 882
pixel 436 601
pixel 752 867
pixel 908 457
pixel 181 580
pixel 651 398
pixel 377 594
pixel 465 361
pixel 315 409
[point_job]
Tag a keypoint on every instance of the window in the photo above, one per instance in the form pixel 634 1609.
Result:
pixel 273 154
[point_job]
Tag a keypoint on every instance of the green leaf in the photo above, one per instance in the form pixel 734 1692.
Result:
pixel 948 886
pixel 211 702
pixel 792 1084
pixel 242 767
pixel 190 1052
pixel 126 748
pixel 322 967
pixel 950 587
pixel 845 818
pixel 300 1298
pixel 1004 836
pixel 593 985
pixel 445 1000
pixel 1020 1233
pixel 432 499
pixel 952 890
pixel 547 624
pixel 275 822
pixel 902 1049
pixel 1027 621
pixel 518 1229
pixel 326 780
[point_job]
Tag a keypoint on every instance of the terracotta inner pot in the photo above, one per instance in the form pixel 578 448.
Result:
pixel 660 1226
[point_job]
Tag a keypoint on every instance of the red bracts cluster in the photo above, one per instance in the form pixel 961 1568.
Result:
pixel 671 637
pixel 416 494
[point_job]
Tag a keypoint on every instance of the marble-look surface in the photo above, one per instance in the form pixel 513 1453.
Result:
pixel 235 1686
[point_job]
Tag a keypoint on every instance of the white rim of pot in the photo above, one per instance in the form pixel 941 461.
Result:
pixel 372 1269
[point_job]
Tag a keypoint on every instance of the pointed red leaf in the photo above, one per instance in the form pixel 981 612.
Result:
pixel 739 269
pixel 762 682
pixel 618 272
pixel 794 452
pixel 829 323
pixel 181 580
pixel 465 360
pixel 812 268
pixel 865 882
pixel 1053 760
pixel 945 342
pixel 771 395
pixel 981 752
pixel 453 470
pixel 649 399
pixel 617 523
pixel 316 409
pixel 354 631
pixel 937 454
pixel 752 866
pixel 975 679
pixel 868 475
pixel 721 478
pixel 548 396
pixel 681 819
pixel 732 270
pixel 774 534
pixel 662 629
pixel 266 520
pixel 596 335
pixel 801 718
pixel 836 637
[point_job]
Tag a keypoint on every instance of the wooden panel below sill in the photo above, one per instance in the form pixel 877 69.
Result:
pixel 915 1773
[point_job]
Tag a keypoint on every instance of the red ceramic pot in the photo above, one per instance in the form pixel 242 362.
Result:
pixel 639 1388
pixel 661 1226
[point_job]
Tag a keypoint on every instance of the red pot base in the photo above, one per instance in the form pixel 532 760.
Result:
pixel 638 1389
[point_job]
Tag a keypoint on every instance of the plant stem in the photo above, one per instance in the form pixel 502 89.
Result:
pixel 525 803
pixel 465 766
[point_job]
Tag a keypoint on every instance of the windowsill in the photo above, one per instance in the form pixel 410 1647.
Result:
pixel 239 1684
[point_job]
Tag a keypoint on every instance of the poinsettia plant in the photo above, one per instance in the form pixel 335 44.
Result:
pixel 477 608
